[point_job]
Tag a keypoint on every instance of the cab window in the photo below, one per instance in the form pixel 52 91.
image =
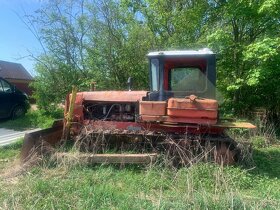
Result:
pixel 187 79
pixel 155 74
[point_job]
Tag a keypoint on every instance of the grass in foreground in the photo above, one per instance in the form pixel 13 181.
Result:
pixel 202 186
pixel 9 153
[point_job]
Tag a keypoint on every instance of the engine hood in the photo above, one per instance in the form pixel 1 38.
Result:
pixel 113 96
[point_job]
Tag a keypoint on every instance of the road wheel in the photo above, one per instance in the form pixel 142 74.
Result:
pixel 18 112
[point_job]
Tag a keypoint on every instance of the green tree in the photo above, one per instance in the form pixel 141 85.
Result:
pixel 106 42
pixel 174 24
pixel 236 27
pixel 87 41
pixel 118 46
pixel 61 28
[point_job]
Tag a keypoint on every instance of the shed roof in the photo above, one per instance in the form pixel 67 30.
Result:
pixel 10 70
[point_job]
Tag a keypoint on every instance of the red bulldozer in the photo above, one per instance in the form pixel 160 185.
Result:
pixel 178 116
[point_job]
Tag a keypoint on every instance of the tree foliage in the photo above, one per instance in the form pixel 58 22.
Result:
pixel 106 42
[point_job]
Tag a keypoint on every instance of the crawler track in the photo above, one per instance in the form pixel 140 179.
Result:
pixel 181 149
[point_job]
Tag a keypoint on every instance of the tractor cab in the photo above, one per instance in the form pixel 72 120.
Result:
pixel 182 73
pixel 182 88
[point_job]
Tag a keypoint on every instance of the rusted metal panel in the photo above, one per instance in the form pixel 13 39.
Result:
pixel 193 118
pixel 193 103
pixel 152 108
pixel 193 114
pixel 78 108
pixel 114 96
pixel 193 110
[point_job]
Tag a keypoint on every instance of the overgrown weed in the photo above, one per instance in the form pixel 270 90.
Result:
pixel 72 183
pixel 263 136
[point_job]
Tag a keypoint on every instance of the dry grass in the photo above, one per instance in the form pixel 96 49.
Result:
pixel 69 183
pixel 62 183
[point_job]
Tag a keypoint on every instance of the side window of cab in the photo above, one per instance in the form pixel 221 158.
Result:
pixel 5 87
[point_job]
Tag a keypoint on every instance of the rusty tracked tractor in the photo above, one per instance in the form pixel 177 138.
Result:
pixel 178 115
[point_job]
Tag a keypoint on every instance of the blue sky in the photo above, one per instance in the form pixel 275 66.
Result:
pixel 15 38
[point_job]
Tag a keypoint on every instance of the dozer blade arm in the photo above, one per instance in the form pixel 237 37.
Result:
pixel 34 139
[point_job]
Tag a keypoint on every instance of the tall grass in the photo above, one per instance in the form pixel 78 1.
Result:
pixel 264 135
pixel 72 184
pixel 69 183
pixel 202 186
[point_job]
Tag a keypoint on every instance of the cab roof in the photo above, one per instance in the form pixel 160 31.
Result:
pixel 204 51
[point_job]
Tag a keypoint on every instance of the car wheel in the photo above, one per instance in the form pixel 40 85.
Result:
pixel 18 111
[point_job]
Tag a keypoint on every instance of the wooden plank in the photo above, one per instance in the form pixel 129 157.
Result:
pixel 235 125
pixel 113 158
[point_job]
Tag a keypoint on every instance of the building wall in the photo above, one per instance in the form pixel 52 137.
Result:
pixel 22 85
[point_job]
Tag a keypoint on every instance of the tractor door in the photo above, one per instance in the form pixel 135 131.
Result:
pixel 181 74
